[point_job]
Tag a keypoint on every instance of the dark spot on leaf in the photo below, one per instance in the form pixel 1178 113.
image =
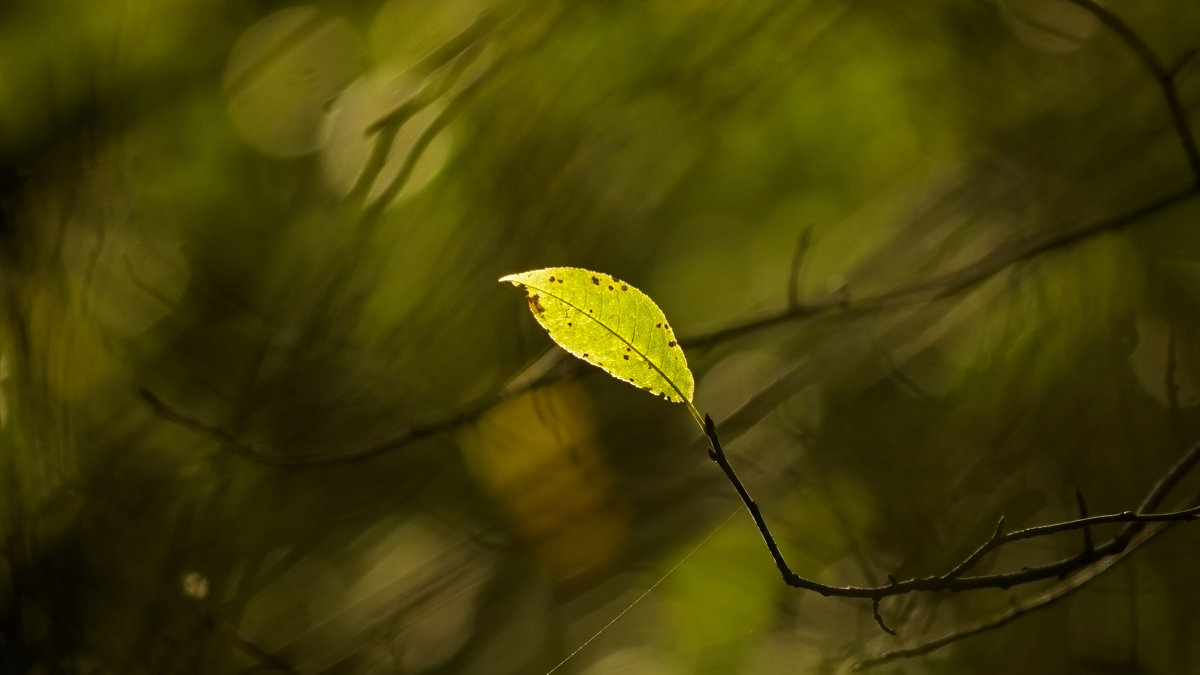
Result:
pixel 585 356
pixel 624 287
pixel 596 281
pixel 626 357
pixel 589 311
pixel 570 324
pixel 658 325
pixel 671 343
pixel 629 349
pixel 610 288
pixel 551 279
pixel 535 303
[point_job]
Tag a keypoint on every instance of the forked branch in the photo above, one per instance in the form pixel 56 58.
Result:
pixel 1018 608
pixel 955 579
pixel 1164 76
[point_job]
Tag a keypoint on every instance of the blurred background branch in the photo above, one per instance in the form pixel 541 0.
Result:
pixel 936 264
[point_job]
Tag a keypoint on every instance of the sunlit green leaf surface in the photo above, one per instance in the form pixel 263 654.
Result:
pixel 609 324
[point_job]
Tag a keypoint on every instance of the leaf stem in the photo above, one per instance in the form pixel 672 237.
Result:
pixel 717 454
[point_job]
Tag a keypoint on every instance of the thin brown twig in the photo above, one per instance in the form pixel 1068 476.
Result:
pixel 1164 76
pixel 999 538
pixel 1183 61
pixel 879 618
pixel 953 581
pixel 937 287
pixel 270 457
pixel 170 414
pixel 438 84
pixel 1017 609
pixel 262 454
pixel 976 555
pixel 941 286
pixel 422 142
pixel 448 55
pixel 950 283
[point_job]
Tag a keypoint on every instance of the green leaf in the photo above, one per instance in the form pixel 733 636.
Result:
pixel 609 324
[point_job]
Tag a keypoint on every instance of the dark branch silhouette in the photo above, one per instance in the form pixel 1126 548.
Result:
pixel 456 57
pixel 1018 608
pixel 1164 76
pixel 938 287
pixel 1139 524
pixel 953 580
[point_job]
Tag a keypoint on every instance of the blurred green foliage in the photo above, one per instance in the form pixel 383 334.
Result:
pixel 263 406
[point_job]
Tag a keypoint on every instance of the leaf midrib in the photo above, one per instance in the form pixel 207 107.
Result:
pixel 632 346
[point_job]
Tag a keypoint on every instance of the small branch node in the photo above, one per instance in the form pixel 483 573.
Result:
pixel 1162 74
pixel 1182 62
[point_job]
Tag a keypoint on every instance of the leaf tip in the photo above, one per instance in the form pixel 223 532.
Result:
pixel 514 279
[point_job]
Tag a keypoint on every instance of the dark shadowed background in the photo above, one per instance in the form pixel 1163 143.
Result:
pixel 265 408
